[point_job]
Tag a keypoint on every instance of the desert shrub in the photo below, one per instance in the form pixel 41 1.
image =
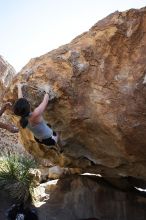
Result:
pixel 15 177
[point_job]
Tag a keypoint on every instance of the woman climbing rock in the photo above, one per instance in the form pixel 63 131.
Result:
pixel 11 128
pixel 33 120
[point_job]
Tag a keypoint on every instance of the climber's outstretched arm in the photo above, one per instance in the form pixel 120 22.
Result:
pixel 20 94
pixel 38 111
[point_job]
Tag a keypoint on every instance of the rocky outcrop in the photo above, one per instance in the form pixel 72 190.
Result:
pixel 82 197
pixel 8 141
pixel 97 97
pixel 7 73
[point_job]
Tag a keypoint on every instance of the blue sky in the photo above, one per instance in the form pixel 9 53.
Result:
pixel 30 28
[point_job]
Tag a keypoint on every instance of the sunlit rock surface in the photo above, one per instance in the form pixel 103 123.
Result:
pixel 7 73
pixel 97 97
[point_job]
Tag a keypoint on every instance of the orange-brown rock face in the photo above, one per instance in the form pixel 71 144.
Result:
pixel 98 97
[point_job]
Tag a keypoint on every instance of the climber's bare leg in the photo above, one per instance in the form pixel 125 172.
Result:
pixel 11 128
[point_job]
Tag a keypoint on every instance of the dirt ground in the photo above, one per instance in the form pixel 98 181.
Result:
pixel 5 204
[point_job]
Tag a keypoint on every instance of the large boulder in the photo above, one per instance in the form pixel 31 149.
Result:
pixel 82 197
pixel 97 97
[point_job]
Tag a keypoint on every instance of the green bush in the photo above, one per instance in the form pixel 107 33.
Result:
pixel 15 177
